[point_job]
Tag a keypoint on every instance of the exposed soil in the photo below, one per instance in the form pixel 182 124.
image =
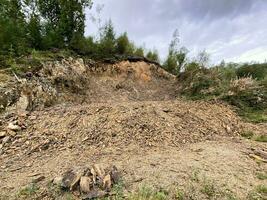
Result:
pixel 137 124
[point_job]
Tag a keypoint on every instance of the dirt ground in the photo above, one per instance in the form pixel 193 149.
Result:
pixel 130 117
pixel 163 155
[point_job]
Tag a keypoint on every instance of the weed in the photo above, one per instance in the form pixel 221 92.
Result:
pixel 262 189
pixel 179 195
pixel 259 193
pixel 262 175
pixel 28 191
pixel 247 134
pixel 261 138
pixel 209 189
pixel 145 193
pixel 195 176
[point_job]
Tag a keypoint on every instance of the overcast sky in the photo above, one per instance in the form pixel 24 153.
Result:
pixel 233 30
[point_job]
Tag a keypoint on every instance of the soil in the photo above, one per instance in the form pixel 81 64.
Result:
pixel 152 136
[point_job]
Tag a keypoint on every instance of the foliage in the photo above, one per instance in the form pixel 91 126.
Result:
pixel 107 42
pixel 177 56
pixel 123 45
pixel 148 193
pixel 153 56
pixel 248 94
pixel 256 71
pixel 139 52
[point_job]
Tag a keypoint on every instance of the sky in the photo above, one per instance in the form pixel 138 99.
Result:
pixel 230 30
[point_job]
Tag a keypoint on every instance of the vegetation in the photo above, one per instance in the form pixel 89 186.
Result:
pixel 227 83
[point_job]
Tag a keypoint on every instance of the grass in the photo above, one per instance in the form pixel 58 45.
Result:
pixel 195 176
pixel 179 195
pixel 251 135
pixel 28 191
pixel 259 193
pixel 254 116
pixel 262 175
pixel 148 193
pixel 247 134
pixel 209 189
pixel 261 138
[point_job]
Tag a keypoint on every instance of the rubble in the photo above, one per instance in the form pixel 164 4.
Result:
pixel 89 183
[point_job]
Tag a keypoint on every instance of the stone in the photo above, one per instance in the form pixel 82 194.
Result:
pixel 6 140
pixel 107 182
pixel 13 127
pixel 58 180
pixel 22 103
pixel 95 194
pixel 2 134
pixel 85 184
pixel 72 177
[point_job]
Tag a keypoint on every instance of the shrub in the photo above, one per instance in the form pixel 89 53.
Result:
pixel 256 71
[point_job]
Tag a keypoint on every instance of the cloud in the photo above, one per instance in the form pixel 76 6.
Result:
pixel 227 29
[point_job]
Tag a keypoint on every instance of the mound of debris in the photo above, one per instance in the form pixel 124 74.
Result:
pixel 89 183
pixel 100 125
pixel 79 81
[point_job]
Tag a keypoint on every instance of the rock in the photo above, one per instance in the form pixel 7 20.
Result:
pixel 72 177
pixel 115 175
pixel 58 180
pixel 94 194
pixel 1 146
pixel 22 103
pixel 13 127
pixel 33 117
pixel 99 170
pixel 2 134
pixel 85 184
pixel 107 182
pixel 6 140
pixel 38 179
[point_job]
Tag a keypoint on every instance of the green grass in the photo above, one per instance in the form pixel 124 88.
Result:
pixel 179 195
pixel 261 138
pixel 259 193
pixel 247 134
pixel 28 191
pixel 195 176
pixel 262 175
pixel 254 116
pixel 209 189
pixel 251 135
pixel 148 193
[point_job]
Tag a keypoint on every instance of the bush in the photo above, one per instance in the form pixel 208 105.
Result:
pixel 245 93
pixel 256 71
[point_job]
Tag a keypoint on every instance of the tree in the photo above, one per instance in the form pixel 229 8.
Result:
pixel 176 59
pixel 12 25
pixel 203 58
pixel 123 45
pixel 65 20
pixel 153 56
pixel 34 32
pixel 107 39
pixel 139 52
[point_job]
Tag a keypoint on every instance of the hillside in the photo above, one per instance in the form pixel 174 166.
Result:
pixel 78 113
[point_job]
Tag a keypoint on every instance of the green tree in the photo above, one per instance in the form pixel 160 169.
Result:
pixel 139 52
pixel 153 56
pixel 107 42
pixel 177 56
pixel 123 45
pixel 12 26
pixel 65 20
pixel 34 30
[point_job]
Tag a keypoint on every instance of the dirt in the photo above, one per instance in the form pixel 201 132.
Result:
pixel 128 115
